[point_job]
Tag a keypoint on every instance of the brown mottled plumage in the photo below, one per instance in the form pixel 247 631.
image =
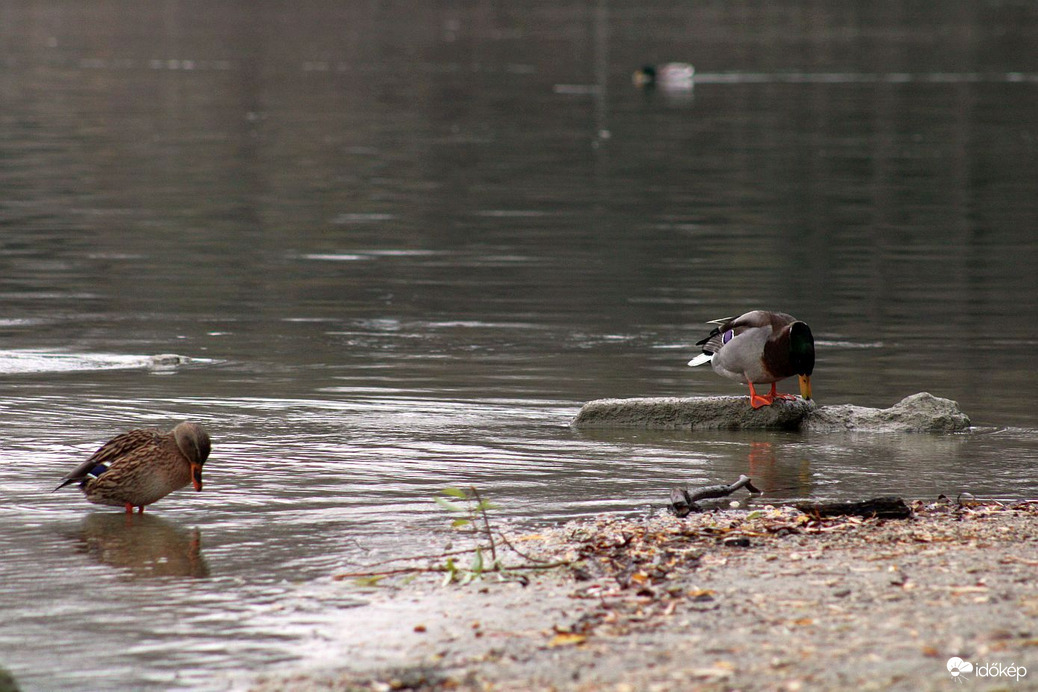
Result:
pixel 140 467
pixel 760 347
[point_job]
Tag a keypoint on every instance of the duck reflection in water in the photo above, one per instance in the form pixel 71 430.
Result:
pixel 778 478
pixel 144 545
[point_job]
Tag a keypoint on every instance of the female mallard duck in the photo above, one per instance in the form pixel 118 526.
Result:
pixel 760 347
pixel 142 466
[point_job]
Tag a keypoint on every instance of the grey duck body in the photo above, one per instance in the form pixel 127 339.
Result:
pixel 760 347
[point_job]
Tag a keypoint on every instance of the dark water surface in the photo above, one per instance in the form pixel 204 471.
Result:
pixel 401 245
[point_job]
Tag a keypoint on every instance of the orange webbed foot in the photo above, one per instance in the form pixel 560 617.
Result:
pixel 775 395
pixel 760 400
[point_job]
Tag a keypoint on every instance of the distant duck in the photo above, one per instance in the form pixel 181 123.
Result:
pixel 760 347
pixel 672 76
pixel 140 467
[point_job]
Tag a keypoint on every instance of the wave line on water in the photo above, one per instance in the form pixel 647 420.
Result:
pixel 20 361
pixel 864 77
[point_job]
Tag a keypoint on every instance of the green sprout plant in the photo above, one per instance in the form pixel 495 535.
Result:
pixel 471 514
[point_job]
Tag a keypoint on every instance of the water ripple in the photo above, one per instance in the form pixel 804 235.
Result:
pixel 31 361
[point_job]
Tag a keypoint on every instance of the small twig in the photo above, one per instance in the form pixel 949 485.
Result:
pixel 539 565
pixel 416 558
pixel 477 570
pixel 386 572
pixel 442 569
pixel 518 552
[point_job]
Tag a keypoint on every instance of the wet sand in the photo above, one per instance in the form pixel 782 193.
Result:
pixel 765 599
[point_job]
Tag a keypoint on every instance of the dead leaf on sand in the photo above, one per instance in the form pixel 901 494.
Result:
pixel 567 639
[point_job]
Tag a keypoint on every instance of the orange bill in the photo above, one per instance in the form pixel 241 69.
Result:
pixel 805 386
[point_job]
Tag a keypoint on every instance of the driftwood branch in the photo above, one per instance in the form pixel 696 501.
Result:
pixel 889 507
pixel 683 502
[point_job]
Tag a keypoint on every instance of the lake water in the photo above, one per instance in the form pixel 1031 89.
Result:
pixel 401 245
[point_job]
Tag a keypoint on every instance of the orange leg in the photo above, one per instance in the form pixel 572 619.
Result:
pixel 129 508
pixel 758 400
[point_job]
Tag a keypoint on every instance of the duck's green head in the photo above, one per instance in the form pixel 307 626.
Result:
pixel 802 355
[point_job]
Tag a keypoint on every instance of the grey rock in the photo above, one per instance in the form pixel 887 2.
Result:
pixel 921 412
pixel 696 413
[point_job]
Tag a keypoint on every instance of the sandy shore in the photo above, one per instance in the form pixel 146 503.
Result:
pixel 766 599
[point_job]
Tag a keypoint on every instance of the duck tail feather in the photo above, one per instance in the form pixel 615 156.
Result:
pixel 701 358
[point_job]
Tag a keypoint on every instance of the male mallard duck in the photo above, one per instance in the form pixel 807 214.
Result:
pixel 760 347
pixel 674 76
pixel 142 466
